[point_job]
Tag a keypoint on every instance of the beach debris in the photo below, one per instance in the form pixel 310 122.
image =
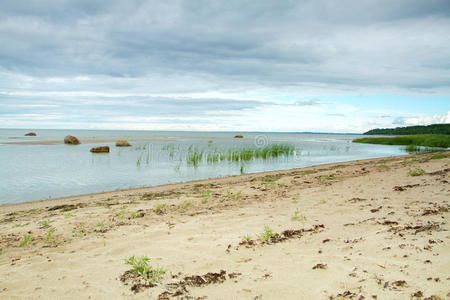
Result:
pixel 398 284
pixel 122 143
pixel 357 199
pixel 344 295
pixel 30 134
pixel 440 172
pixel 268 237
pixel 238 136
pixel 320 266
pixel 66 207
pixel 404 187
pixel 438 210
pixel 388 222
pixel 430 226
pixel 210 141
pixel 208 278
pixel 100 149
pixel 71 140
pixel 417 294
pixel 374 210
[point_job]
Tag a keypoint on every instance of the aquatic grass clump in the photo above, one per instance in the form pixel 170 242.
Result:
pixel 195 156
pixel 272 151
pixel 419 149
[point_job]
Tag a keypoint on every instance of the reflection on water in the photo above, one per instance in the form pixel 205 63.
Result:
pixel 32 172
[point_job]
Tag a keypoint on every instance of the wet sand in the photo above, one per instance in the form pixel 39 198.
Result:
pixel 345 231
pixel 90 141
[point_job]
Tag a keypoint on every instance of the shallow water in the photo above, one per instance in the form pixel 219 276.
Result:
pixel 34 172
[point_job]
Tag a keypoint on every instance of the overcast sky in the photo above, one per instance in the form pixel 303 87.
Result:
pixel 327 66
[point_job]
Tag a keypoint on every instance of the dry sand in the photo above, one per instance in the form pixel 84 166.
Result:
pixel 371 230
pixel 90 141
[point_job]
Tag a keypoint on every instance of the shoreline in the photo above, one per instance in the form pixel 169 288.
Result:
pixel 225 179
pixel 365 229
pixel 88 141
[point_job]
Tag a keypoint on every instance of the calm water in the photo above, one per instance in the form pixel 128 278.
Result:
pixel 34 172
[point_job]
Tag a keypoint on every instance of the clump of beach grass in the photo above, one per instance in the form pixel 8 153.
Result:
pixel 205 194
pixel 141 267
pixel 183 206
pixel 440 155
pixel 247 238
pixel 160 208
pixel 267 234
pixel 416 172
pixel 49 234
pixel 26 240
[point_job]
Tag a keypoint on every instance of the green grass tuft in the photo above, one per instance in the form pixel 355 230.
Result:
pixel 141 267
pixel 26 240
pixel 267 234
pixel 440 155
pixel 416 172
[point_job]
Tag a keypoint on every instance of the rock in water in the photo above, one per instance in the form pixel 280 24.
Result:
pixel 238 136
pixel 123 143
pixel 100 149
pixel 30 134
pixel 71 140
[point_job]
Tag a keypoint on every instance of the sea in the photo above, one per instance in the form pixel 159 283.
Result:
pixel 37 171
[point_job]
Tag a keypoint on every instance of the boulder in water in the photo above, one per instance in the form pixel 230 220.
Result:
pixel 71 140
pixel 238 136
pixel 100 149
pixel 123 143
pixel 30 134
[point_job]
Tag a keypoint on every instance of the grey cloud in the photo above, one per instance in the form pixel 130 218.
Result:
pixel 311 102
pixel 231 44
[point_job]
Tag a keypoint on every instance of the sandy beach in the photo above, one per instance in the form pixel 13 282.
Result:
pixel 368 229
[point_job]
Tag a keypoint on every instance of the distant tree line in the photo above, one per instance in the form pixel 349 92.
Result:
pixel 430 129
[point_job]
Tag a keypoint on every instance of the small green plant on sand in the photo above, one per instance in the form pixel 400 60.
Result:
pixel 141 267
pixel 160 208
pixel 383 167
pixel 121 213
pixel 26 240
pixel 247 238
pixel 68 215
pixel 232 196
pixel 323 201
pixel 327 177
pixel 46 224
pixel 440 155
pixel 100 224
pixel 267 234
pixel 137 214
pixel 182 207
pixel 205 195
pixel 49 234
pixel 416 172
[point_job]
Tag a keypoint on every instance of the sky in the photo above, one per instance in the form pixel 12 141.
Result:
pixel 323 66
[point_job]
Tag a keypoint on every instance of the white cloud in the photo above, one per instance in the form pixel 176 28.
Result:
pixel 425 120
